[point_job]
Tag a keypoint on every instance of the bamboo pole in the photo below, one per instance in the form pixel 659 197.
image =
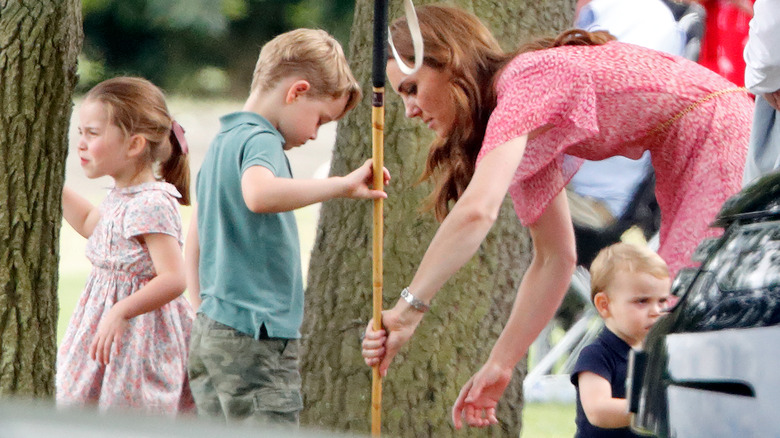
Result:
pixel 377 140
pixel 377 116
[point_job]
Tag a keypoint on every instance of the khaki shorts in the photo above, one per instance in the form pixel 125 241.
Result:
pixel 239 379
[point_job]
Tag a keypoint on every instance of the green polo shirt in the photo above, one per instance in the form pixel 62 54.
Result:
pixel 250 263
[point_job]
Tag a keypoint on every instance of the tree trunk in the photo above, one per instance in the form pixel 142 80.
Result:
pixel 455 337
pixel 39 45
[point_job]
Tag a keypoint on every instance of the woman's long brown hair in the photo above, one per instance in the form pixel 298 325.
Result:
pixel 456 41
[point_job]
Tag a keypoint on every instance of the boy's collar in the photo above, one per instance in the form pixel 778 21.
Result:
pixel 231 120
pixel 614 342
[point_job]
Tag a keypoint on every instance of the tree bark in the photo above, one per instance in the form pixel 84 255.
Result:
pixel 39 44
pixel 456 336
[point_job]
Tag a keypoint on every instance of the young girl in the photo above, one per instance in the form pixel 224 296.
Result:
pixel 126 344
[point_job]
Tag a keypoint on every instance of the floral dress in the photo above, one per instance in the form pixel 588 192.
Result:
pixel 149 372
pixel 621 99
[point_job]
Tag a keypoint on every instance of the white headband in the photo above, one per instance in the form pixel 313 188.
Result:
pixel 417 42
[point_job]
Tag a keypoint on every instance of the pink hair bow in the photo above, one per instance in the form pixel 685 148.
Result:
pixel 178 133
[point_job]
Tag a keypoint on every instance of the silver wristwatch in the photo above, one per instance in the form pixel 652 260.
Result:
pixel 413 301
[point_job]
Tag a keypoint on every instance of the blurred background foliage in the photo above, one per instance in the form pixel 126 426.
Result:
pixel 200 48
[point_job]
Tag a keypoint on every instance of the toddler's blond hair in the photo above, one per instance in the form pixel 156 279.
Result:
pixel 626 257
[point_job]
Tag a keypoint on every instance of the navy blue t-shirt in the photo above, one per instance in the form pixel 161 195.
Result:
pixel 606 356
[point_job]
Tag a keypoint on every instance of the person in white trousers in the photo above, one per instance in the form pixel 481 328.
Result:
pixel 762 78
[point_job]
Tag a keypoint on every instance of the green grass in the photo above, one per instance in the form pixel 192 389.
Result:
pixel 548 420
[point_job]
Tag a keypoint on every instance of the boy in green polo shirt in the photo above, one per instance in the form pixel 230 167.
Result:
pixel 242 253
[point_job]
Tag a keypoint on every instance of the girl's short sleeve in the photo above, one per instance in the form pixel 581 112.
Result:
pixel 542 89
pixel 152 211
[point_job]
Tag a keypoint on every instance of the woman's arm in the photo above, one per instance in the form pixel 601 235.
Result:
pixel 539 295
pixel 455 242
pixel 80 213
pixel 600 407
pixel 192 261
pixel 168 284
pixel 544 284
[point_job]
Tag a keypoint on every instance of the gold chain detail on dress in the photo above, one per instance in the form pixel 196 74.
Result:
pixel 692 106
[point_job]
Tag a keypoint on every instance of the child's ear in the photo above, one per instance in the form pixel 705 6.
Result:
pixel 601 301
pixel 137 145
pixel 296 90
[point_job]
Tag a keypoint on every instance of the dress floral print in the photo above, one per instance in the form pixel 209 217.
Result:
pixel 149 371
pixel 621 99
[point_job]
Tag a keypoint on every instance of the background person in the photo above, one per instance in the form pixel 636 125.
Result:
pixel 762 78
pixel 725 34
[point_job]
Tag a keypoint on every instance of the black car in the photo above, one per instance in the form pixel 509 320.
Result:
pixel 711 368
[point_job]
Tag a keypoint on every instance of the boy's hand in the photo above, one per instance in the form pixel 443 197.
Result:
pixel 359 182
pixel 109 333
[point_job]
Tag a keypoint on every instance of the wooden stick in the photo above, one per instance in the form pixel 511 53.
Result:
pixel 379 61
pixel 377 121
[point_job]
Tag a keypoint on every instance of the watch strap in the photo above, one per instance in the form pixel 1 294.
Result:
pixel 413 301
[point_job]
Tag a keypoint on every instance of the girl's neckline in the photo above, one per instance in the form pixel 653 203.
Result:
pixel 149 185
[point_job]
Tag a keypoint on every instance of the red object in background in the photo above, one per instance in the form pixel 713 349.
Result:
pixel 725 35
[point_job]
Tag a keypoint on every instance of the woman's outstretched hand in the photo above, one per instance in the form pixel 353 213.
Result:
pixel 478 398
pixel 381 346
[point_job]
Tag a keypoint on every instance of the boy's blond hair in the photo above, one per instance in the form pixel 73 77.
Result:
pixel 626 257
pixel 316 57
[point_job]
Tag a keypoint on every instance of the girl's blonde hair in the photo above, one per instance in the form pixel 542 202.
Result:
pixel 138 107
pixel 457 42
pixel 624 257
pixel 313 55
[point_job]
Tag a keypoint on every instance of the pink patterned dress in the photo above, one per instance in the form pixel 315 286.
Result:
pixel 621 99
pixel 150 371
